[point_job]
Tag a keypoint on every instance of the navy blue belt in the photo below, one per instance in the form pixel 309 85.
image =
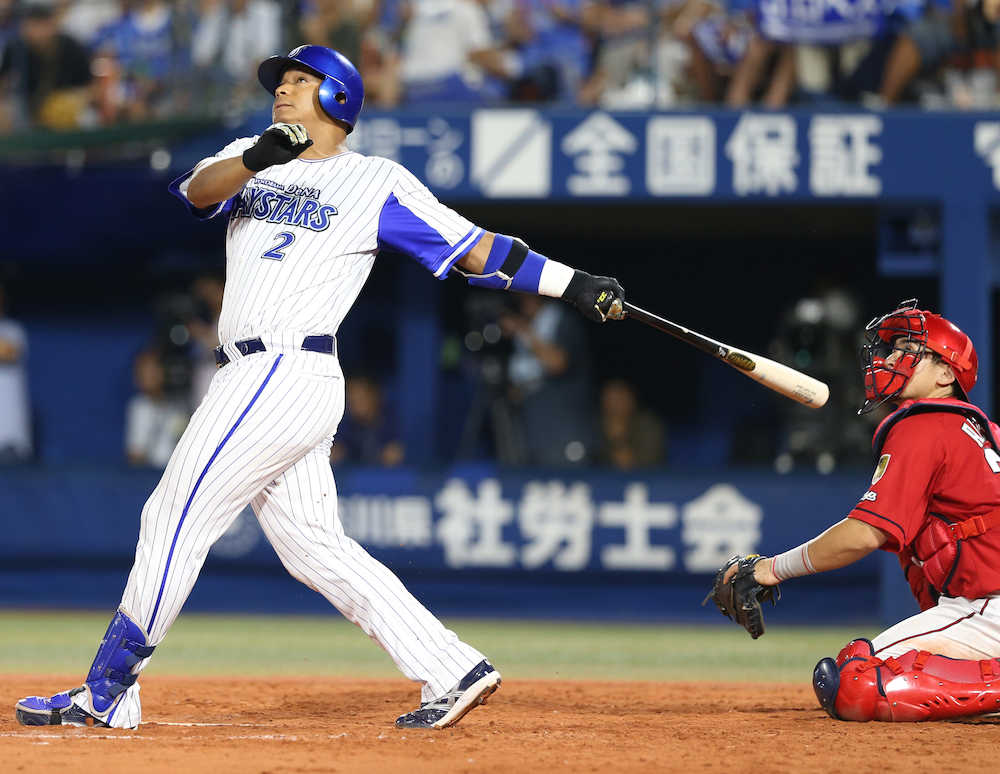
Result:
pixel 325 344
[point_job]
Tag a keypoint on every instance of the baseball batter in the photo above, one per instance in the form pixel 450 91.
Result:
pixel 307 218
pixel 935 501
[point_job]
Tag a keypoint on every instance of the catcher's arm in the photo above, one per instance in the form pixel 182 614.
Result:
pixel 842 544
pixel 744 582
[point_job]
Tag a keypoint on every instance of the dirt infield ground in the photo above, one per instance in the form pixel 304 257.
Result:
pixel 341 725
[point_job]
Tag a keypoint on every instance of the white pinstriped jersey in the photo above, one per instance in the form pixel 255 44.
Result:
pixel 303 237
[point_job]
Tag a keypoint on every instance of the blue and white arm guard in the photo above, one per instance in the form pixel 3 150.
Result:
pixel 512 265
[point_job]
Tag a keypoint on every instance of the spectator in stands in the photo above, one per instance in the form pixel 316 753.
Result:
pixel 716 35
pixel 15 409
pixel 353 27
pixel 83 20
pixel 203 325
pixel 154 421
pixel 142 44
pixel 549 375
pixel 8 30
pixel 45 72
pixel 631 437
pixel 555 43
pixel 8 22
pixel 768 68
pixel 964 35
pixel 230 39
pixel 368 434
pixel 447 50
pixel 621 76
pixel 339 24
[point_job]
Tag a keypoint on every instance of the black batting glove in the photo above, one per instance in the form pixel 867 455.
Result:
pixel 279 144
pixel 596 298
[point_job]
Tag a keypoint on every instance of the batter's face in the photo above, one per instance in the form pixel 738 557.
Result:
pixel 296 100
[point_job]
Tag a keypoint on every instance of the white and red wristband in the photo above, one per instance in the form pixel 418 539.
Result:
pixel 793 564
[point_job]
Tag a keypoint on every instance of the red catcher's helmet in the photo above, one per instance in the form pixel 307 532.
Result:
pixel 929 331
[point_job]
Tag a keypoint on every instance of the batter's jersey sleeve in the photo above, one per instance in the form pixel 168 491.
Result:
pixel 415 223
pixel 904 481
pixel 179 187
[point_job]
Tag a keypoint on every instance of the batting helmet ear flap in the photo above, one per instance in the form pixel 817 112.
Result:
pixel 331 92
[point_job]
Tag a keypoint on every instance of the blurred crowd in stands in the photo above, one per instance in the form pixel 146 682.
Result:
pixel 88 63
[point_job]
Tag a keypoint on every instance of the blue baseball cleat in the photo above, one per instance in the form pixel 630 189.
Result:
pixel 58 710
pixel 472 690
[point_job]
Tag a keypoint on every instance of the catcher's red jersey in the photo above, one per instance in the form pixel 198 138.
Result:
pixel 938 462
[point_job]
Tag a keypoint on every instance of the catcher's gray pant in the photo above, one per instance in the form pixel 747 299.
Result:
pixel 262 435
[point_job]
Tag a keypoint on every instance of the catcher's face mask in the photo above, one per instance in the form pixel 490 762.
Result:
pixel 894 344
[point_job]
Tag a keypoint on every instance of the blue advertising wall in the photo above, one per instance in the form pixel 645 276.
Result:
pixel 476 541
pixel 469 541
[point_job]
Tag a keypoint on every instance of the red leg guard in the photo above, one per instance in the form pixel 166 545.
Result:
pixel 916 686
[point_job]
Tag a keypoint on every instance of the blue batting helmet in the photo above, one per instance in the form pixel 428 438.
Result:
pixel 341 93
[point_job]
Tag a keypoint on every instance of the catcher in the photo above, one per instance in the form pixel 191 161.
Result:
pixel 935 501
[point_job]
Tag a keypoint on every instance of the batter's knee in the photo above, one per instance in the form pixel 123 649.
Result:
pixel 849 687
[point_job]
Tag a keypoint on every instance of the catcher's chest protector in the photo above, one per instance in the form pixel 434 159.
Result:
pixel 938 544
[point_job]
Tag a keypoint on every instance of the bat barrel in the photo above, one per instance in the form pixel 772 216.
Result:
pixel 775 376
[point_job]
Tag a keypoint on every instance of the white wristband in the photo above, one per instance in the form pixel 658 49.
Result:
pixel 793 564
pixel 554 279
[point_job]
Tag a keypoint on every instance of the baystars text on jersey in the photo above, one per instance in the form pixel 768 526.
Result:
pixel 272 202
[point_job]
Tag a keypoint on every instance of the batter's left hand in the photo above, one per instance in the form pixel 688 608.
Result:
pixel 596 298
pixel 279 144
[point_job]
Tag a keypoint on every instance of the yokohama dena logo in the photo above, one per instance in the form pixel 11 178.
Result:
pixel 295 206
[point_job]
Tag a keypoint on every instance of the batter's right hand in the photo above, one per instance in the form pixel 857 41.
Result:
pixel 596 298
pixel 279 144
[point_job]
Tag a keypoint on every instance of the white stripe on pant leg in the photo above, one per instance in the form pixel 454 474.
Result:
pixel 315 550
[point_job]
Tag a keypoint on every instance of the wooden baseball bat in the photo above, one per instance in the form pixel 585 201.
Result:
pixel 775 376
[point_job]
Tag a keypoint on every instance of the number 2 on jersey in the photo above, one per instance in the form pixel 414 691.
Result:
pixel 277 253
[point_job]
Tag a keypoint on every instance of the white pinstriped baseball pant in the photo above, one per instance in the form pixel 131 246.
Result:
pixel 262 436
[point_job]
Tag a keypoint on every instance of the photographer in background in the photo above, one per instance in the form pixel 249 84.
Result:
pixel 368 434
pixel 154 420
pixel 15 410
pixel 631 436
pixel 549 378
pixel 203 325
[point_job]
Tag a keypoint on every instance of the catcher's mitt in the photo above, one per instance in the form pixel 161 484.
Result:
pixel 739 597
